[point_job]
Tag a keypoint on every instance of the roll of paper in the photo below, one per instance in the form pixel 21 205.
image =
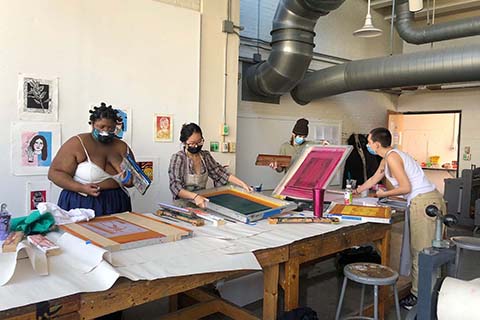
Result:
pixel 458 299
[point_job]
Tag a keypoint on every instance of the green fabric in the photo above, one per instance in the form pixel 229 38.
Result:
pixel 238 204
pixel 33 223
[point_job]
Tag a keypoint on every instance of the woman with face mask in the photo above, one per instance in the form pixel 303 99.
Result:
pixel 88 167
pixel 408 181
pixel 191 167
pixel 293 147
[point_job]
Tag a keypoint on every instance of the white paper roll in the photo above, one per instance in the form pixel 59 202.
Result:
pixel 459 299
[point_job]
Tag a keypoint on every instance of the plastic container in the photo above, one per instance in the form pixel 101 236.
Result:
pixel 434 160
pixel 348 195
pixel 4 221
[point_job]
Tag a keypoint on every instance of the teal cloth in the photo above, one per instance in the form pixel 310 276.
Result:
pixel 33 223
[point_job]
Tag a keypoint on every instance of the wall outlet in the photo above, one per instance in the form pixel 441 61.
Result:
pixel 224 147
pixel 224 130
pixel 467 156
pixel 232 147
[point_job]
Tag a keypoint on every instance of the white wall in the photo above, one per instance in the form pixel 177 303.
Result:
pixel 136 53
pixel 464 100
pixel 425 135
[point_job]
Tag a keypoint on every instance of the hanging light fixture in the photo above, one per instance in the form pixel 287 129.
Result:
pixel 368 30
pixel 415 5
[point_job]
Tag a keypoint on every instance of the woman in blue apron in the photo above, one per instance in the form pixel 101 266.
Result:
pixel 191 167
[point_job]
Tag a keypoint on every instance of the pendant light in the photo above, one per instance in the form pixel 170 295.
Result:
pixel 368 30
pixel 415 5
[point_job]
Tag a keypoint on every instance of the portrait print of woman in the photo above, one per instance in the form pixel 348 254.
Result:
pixel 38 149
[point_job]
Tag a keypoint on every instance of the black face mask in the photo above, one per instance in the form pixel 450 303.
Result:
pixel 195 149
pixel 103 136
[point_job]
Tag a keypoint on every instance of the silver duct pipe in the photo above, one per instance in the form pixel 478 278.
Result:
pixel 292 46
pixel 420 68
pixel 435 32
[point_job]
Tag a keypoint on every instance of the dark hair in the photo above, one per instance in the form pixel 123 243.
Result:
pixel 381 135
pixel 104 112
pixel 188 129
pixel 44 149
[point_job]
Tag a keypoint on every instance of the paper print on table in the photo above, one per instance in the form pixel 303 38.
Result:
pixel 37 98
pixel 124 128
pixel 34 144
pixel 37 191
pixel 163 128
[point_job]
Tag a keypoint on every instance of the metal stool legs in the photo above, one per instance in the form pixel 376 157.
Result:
pixel 457 260
pixel 397 301
pixel 340 302
pixel 375 301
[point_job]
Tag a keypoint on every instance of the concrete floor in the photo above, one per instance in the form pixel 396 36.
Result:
pixel 320 286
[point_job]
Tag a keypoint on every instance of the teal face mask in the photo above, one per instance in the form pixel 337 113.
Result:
pixel 371 150
pixel 103 136
pixel 299 140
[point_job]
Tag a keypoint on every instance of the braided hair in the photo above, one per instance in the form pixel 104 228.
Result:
pixel 104 112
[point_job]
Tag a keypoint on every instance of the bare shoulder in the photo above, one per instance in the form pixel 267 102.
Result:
pixel 121 147
pixel 394 159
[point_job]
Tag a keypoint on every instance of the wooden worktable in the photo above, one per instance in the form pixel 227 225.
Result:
pixel 280 265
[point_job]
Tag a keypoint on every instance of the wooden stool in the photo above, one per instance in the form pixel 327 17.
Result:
pixel 467 243
pixel 369 274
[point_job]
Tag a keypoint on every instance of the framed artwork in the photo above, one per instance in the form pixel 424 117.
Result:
pixel 163 128
pixel 33 146
pixel 124 128
pixel 149 166
pixel 37 191
pixel 37 98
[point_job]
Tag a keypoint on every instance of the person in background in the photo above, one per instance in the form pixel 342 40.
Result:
pixel 294 146
pixel 408 180
pixel 191 167
pixel 88 167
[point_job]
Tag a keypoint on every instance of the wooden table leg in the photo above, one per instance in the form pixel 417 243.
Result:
pixel 384 247
pixel 173 303
pixel 292 273
pixel 270 292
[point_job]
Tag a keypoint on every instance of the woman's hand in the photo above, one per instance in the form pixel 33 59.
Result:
pixel 200 201
pixel 381 193
pixel 246 187
pixel 90 189
pixel 273 165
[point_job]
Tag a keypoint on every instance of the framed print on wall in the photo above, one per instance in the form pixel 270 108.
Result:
pixel 37 191
pixel 37 98
pixel 163 127
pixel 33 146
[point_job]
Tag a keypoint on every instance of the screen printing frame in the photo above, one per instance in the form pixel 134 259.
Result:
pixel 277 206
pixel 299 171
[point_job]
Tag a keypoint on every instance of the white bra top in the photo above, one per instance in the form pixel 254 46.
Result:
pixel 89 172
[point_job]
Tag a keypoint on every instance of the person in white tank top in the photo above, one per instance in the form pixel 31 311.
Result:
pixel 408 181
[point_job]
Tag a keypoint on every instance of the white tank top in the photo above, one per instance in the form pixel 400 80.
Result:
pixel 418 181
pixel 89 172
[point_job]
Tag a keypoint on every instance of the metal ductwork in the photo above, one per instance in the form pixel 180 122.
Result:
pixel 435 32
pixel 458 64
pixel 292 46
